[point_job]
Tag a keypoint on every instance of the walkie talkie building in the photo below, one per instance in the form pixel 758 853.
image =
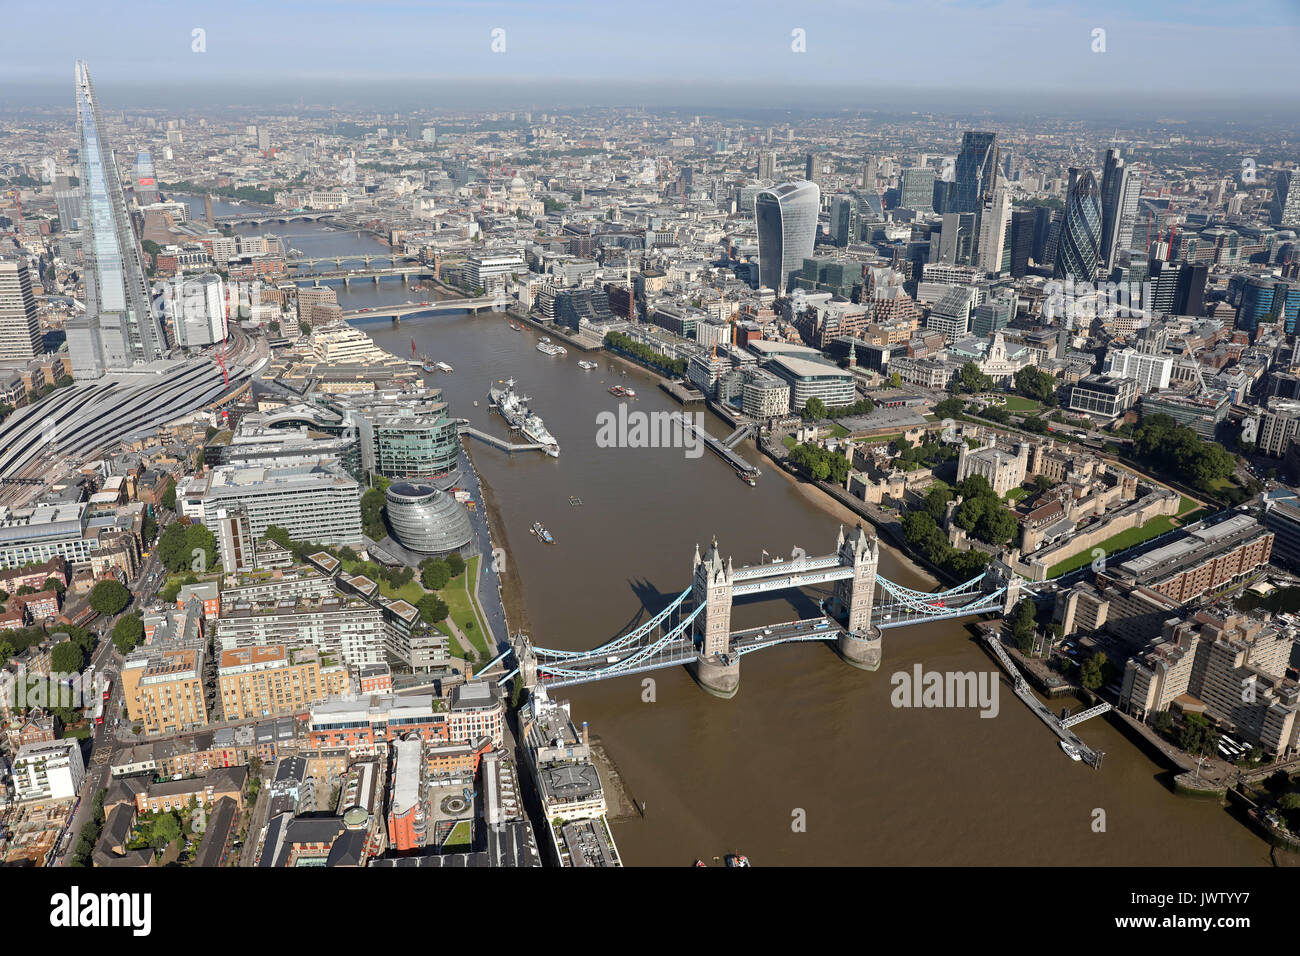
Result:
pixel 787 230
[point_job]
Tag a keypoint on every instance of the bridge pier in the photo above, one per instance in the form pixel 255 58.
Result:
pixel 862 649
pixel 717 674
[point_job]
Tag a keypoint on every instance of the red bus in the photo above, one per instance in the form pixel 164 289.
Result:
pixel 99 714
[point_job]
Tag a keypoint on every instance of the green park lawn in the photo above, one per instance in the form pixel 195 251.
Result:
pixel 1018 403
pixel 1125 539
pixel 456 595
pixel 460 835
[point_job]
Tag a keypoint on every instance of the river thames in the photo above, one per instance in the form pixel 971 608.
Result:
pixel 807 736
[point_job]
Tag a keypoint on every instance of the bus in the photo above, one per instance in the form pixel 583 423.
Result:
pixel 108 689
pixel 99 714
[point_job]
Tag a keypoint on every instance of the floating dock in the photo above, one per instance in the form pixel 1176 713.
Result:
pixel 719 448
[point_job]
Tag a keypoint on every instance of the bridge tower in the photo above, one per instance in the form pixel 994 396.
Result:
pixel 716 668
pixel 999 574
pixel 853 599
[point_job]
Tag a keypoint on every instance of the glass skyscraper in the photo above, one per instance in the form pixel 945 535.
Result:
pixel 787 230
pixel 120 327
pixel 1078 248
pixel 976 171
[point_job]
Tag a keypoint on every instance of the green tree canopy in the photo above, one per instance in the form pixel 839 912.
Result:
pixel 434 574
pixel 128 632
pixel 109 597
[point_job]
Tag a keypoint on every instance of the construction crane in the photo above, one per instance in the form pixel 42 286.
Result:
pixel 1200 379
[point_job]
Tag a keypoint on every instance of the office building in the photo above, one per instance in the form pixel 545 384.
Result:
pixel 808 379
pixel 426 520
pixel 196 309
pixel 767 165
pixel 951 314
pixel 1022 240
pixel 67 199
pixel 976 172
pixel 1285 209
pixel 1118 199
pixel 787 231
pixel 20 333
pixel 844 219
pixel 119 328
pixel 492 273
pixel 992 252
pixel 1078 246
pixel 1205 558
pixel 316 503
pixel 1150 371
pixel 916 189
pixel 1101 395
pixel 405 434
pixel 1266 300
pixel 1279 422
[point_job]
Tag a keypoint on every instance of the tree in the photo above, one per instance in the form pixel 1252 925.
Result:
pixel 456 564
pixel 279 535
pixel 128 632
pixel 166 828
pixel 109 597
pixel 949 408
pixel 971 379
pixel 372 514
pixel 201 546
pixel 432 609
pixel 1024 623
pixel 814 410
pixel 936 503
pixel 895 381
pixel 1197 736
pixel 1093 672
pixel 1033 383
pixel 173 549
pixel 169 497
pixel 6 652
pixel 434 574
pixel 67 658
pixel 54 584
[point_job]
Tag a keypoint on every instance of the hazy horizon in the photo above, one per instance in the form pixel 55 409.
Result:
pixel 895 55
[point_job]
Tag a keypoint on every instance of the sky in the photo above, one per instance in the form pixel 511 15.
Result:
pixel 687 50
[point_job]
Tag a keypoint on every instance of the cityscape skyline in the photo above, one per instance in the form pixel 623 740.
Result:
pixel 356 384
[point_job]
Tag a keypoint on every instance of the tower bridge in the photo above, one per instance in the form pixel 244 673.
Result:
pixel 695 630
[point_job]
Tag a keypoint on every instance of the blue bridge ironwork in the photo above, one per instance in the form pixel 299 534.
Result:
pixel 694 628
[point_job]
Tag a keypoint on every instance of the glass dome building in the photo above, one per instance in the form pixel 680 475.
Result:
pixel 425 519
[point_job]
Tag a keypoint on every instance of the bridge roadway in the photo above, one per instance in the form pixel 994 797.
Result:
pixel 444 305
pixel 719 448
pixel 645 655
